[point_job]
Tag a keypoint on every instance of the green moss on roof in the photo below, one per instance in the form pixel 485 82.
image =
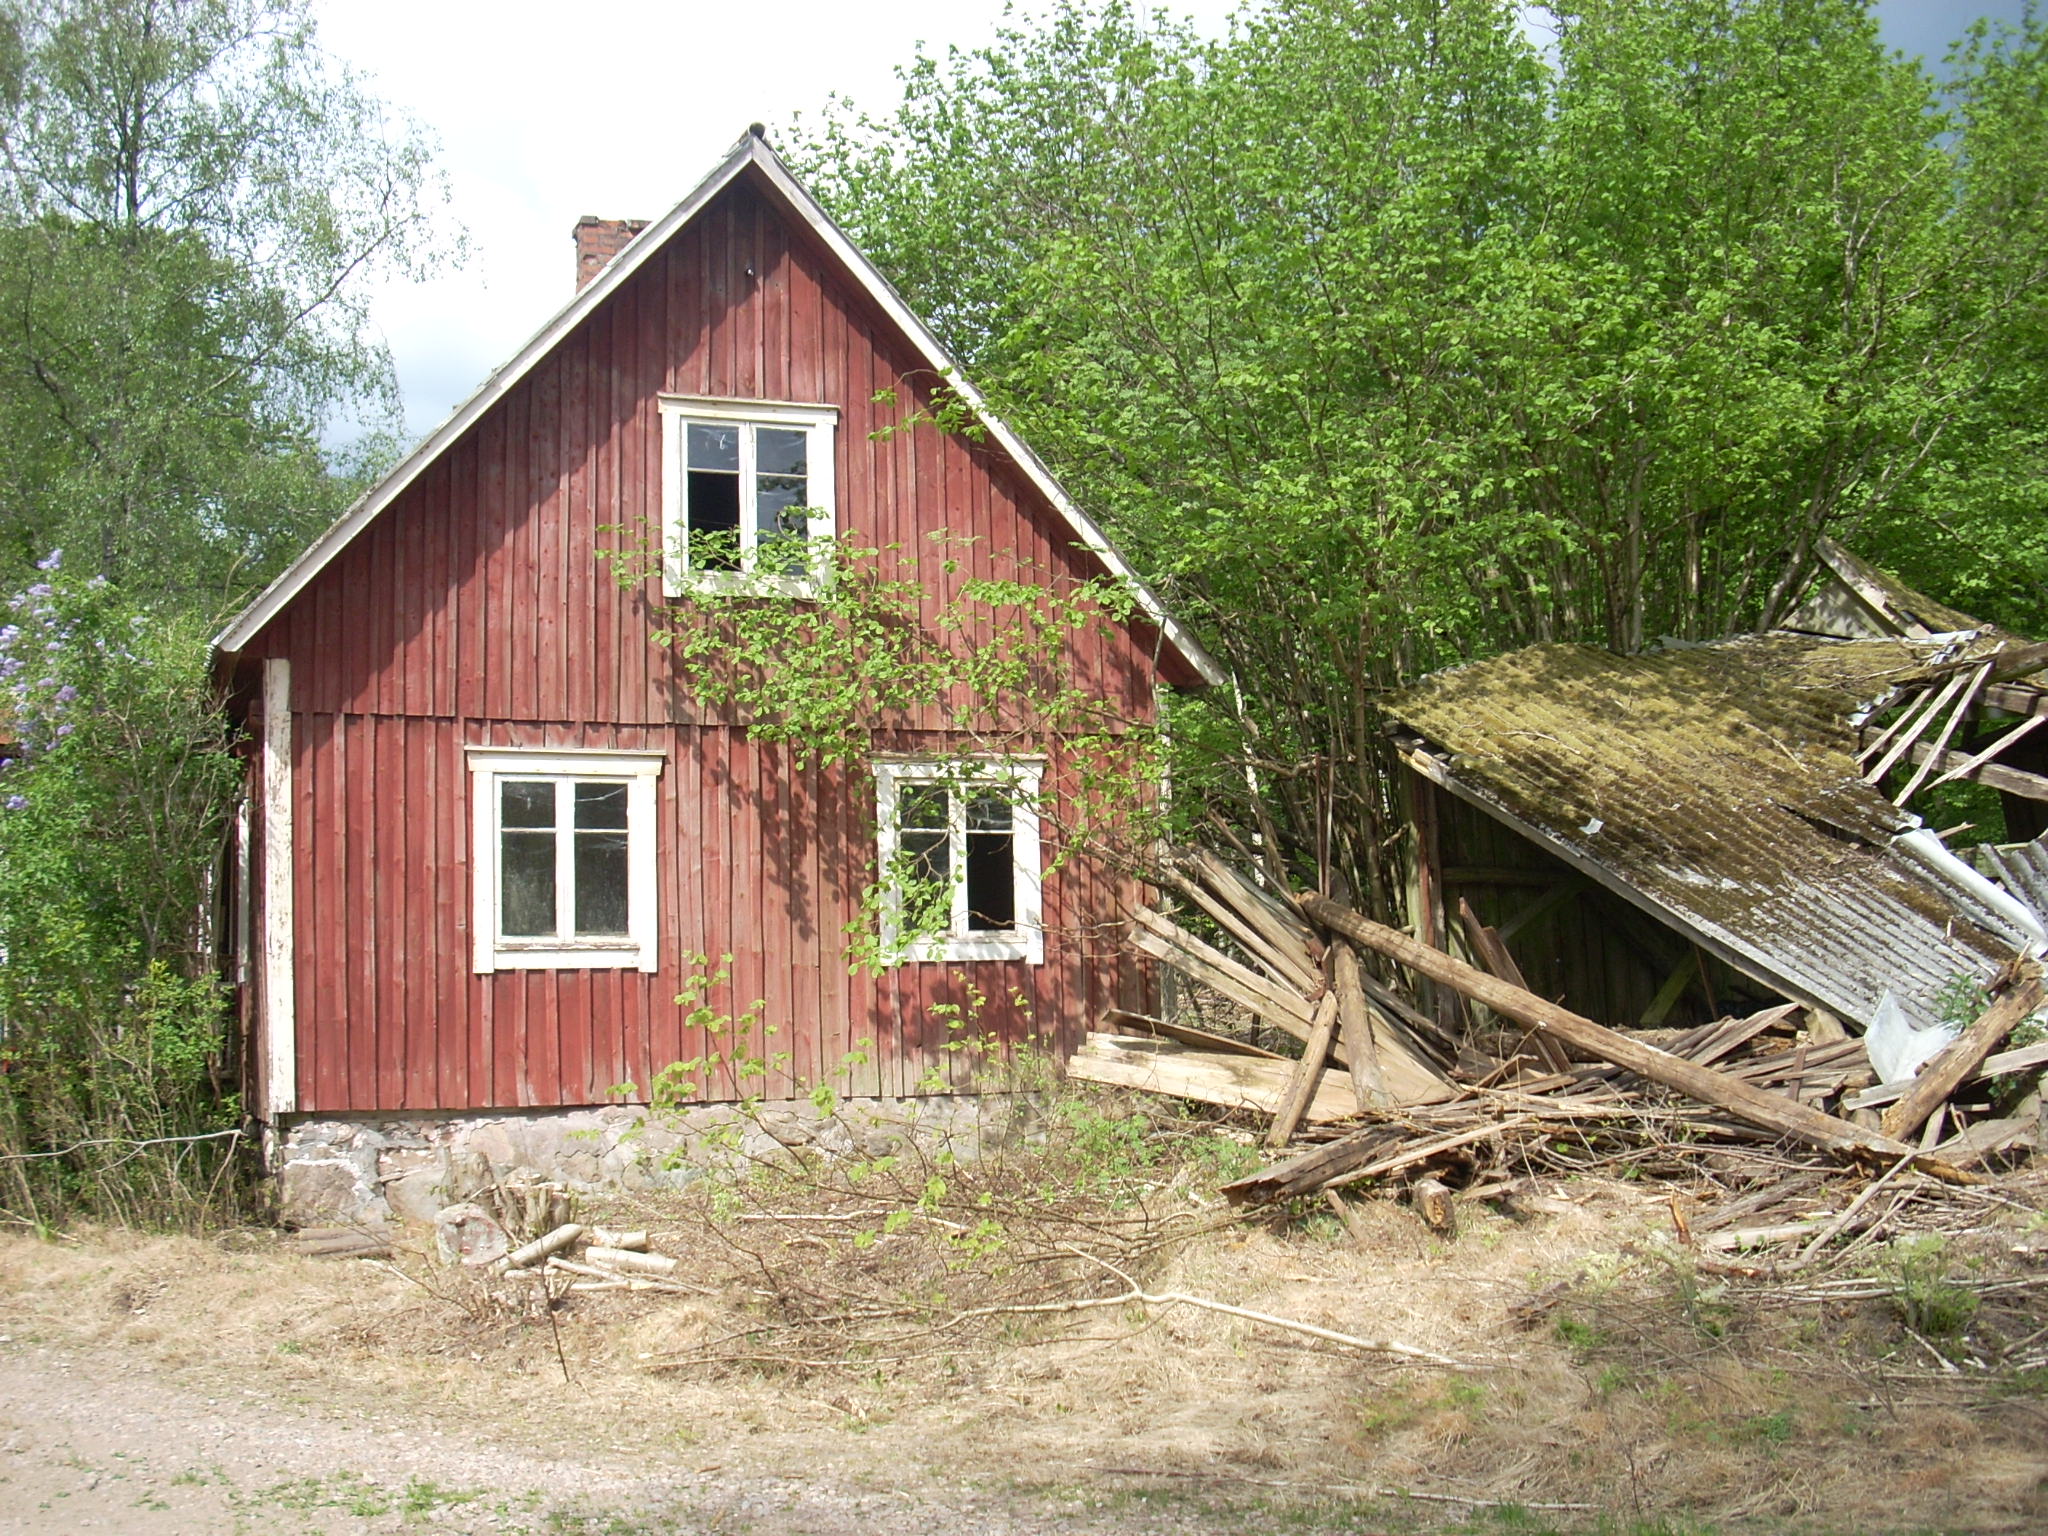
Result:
pixel 1720 783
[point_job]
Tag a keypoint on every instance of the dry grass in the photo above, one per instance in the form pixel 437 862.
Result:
pixel 1610 1374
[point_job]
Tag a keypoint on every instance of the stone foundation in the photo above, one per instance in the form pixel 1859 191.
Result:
pixel 376 1168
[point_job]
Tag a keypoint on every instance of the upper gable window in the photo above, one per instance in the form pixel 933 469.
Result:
pixel 747 494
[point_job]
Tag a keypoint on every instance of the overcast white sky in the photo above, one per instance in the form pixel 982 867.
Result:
pixel 545 113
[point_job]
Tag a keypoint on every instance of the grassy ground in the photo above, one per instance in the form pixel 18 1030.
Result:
pixel 867 1340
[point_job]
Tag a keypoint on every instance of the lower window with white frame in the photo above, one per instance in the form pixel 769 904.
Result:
pixel 563 858
pixel 960 860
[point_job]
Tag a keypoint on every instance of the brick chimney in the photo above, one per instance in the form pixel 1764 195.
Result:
pixel 598 241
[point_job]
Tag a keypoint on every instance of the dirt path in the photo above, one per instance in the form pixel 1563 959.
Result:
pixel 94 1440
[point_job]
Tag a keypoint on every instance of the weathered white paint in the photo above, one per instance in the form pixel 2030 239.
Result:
pixel 280 1019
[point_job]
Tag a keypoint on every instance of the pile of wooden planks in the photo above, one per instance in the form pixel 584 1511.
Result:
pixel 1421 1105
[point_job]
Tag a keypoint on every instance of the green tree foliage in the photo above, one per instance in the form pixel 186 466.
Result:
pixel 115 779
pixel 191 195
pixel 1393 332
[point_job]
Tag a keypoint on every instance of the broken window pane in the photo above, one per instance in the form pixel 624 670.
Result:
pixel 527 882
pixel 601 807
pixel 714 520
pixel 715 447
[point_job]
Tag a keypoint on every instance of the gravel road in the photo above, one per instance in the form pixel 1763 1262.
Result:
pixel 101 1441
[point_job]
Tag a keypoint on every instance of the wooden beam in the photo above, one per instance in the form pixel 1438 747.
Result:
pixel 1494 955
pixel 1354 1020
pixel 1943 1075
pixel 1474 874
pixel 2021 1060
pixel 1294 969
pixel 2016 698
pixel 2013 781
pixel 1980 758
pixel 1234 1082
pixel 1123 1022
pixel 1308 1074
pixel 1941 742
pixel 1769 1111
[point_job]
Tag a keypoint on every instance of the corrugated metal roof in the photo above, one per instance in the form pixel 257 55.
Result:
pixel 1853 599
pixel 2022 868
pixel 1716 787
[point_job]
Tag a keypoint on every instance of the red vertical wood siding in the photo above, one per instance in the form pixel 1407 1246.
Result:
pixel 475 611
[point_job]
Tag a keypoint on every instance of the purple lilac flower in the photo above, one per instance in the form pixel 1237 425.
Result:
pixel 51 561
pixel 41 589
pixel 66 694
pixel 17 802
pixel 65 730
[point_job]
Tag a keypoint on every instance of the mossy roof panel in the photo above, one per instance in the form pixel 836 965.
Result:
pixel 1717 785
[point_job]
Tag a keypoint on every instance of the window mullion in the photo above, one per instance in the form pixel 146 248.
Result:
pixel 565 859
pixel 956 850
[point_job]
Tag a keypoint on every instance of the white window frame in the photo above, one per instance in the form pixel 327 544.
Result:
pixel 679 412
pixel 1020 779
pixel 488 766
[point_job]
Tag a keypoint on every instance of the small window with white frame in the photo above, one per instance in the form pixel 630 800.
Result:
pixel 960 860
pixel 747 494
pixel 563 858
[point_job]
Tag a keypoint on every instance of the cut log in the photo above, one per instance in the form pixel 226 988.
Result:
pixel 1753 1105
pixel 1432 1202
pixel 626 1261
pixel 1308 1075
pixel 562 1237
pixel 1233 1082
pixel 604 1237
pixel 1943 1075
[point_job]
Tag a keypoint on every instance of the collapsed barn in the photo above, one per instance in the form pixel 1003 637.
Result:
pixel 1685 890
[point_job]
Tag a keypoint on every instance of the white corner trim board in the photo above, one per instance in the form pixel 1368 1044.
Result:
pixel 280 1017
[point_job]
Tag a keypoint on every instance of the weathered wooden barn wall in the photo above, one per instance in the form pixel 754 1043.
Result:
pixel 476 611
pixel 1597 953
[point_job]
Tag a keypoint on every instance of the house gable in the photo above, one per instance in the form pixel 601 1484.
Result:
pixel 921 364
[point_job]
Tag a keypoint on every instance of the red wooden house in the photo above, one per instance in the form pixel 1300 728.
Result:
pixel 488 837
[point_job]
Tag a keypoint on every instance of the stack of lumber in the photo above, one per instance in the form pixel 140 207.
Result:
pixel 1383 1093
